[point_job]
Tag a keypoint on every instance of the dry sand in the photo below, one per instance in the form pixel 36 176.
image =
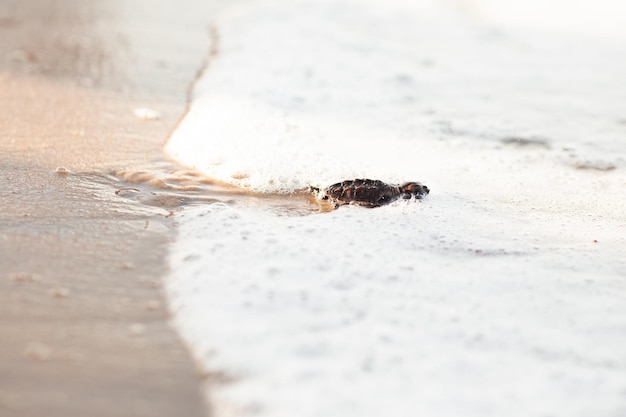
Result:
pixel 83 325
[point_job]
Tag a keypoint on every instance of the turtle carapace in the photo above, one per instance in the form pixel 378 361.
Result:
pixel 370 193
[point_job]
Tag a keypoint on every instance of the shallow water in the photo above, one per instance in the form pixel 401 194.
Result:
pixel 498 294
pixel 163 188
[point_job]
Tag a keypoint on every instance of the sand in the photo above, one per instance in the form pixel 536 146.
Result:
pixel 83 323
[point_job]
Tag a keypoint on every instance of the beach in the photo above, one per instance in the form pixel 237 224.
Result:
pixel 161 253
pixel 89 91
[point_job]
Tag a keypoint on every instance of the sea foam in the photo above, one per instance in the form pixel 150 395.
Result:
pixel 501 293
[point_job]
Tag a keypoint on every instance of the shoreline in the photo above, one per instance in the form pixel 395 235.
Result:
pixel 84 321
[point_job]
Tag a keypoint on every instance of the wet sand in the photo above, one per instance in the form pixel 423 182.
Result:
pixel 83 322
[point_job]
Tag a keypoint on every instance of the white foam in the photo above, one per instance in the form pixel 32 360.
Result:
pixel 500 294
pixel 448 308
pixel 602 19
pixel 368 93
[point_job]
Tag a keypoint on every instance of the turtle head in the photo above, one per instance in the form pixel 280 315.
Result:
pixel 413 189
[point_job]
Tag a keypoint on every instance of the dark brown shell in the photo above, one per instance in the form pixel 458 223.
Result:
pixel 372 193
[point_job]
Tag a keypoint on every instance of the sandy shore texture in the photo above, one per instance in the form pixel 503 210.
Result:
pixel 83 323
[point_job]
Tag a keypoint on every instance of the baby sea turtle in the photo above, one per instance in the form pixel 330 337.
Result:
pixel 369 193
